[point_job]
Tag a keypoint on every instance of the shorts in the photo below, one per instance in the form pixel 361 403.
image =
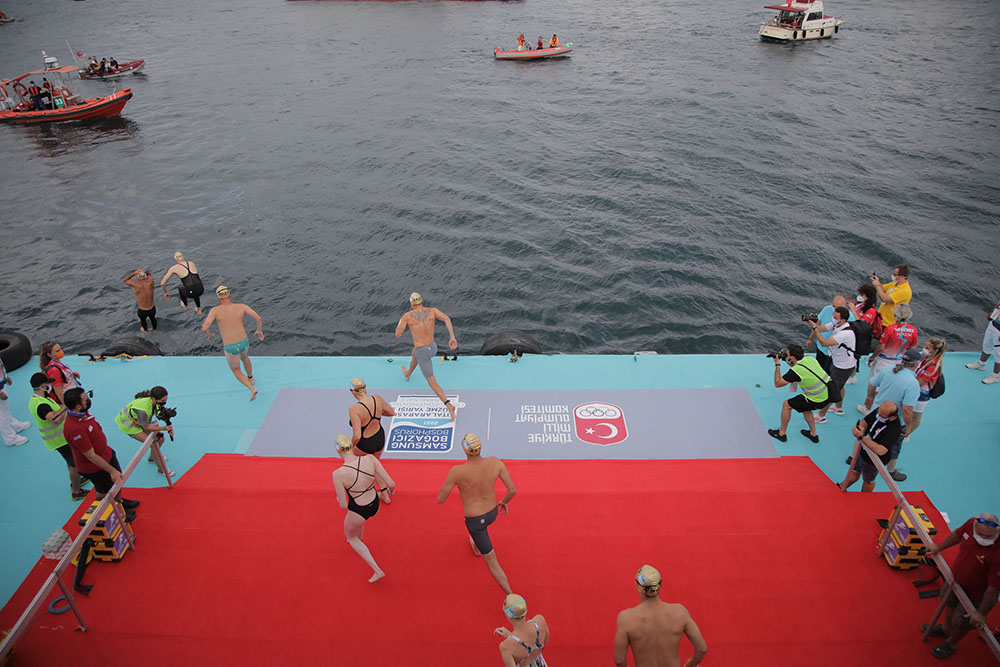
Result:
pixel 800 403
pixel 67 453
pixel 478 527
pixel 991 341
pixel 865 466
pixel 101 478
pixel 424 355
pixel 840 376
pixel 239 348
pixel 880 363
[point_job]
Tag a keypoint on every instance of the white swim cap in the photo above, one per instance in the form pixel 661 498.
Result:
pixel 471 443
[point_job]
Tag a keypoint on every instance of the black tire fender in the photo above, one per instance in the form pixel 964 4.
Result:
pixel 506 342
pixel 15 349
pixel 134 346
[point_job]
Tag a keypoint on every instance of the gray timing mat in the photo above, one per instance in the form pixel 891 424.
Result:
pixel 538 424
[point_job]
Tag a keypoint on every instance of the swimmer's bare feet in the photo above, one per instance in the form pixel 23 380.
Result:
pixel 143 330
pixel 406 373
pixel 475 549
pixel 197 310
pixel 187 307
pixel 253 393
pixel 375 577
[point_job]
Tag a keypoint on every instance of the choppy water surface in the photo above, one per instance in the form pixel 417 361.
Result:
pixel 675 185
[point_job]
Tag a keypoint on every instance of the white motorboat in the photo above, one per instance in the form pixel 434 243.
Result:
pixel 798 22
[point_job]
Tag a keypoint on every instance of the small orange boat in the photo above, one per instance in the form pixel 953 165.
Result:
pixel 60 104
pixel 533 54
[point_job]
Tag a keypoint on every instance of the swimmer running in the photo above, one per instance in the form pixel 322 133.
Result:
pixel 475 480
pixel 364 415
pixel 522 647
pixel 653 629
pixel 235 342
pixel 355 485
pixel 421 322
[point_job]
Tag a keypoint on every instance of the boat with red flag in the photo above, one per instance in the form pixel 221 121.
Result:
pixel 43 101
pixel 108 68
pixel 798 22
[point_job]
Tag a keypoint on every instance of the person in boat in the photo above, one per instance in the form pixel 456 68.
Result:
pixel 354 482
pixel 104 66
pixel 35 93
pixel 361 417
pixel 524 645
pixel 520 42
pixel 554 42
pixel 541 43
pixel 191 285
pixel 113 64
pixel 2 16
pixel 93 67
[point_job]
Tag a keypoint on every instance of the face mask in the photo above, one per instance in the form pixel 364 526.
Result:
pixel 927 353
pixel 860 298
pixel 983 541
pixel 59 355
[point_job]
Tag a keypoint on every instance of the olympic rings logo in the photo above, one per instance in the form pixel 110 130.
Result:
pixel 597 411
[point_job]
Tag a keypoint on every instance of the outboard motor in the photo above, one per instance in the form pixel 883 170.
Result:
pixel 51 62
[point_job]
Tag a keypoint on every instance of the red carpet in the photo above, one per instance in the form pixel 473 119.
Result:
pixel 244 563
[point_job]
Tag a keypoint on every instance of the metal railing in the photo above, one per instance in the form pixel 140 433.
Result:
pixel 903 507
pixel 54 580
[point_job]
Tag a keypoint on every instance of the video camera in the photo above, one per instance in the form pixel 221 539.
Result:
pixel 166 414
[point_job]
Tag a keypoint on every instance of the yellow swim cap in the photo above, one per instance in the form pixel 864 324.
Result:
pixel 222 291
pixel 179 256
pixel 357 384
pixel 514 606
pixel 344 443
pixel 471 443
pixel 649 578
pixel 416 299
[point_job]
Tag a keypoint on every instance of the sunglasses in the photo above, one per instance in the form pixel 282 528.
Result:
pixel 987 522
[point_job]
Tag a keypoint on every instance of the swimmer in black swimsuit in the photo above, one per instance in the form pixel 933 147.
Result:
pixel 191 285
pixel 368 411
pixel 354 482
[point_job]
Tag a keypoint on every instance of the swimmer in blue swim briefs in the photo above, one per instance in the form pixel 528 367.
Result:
pixel 475 480
pixel 229 316
pixel 421 322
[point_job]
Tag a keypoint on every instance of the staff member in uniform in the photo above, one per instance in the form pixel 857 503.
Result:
pixel 138 419
pixel 49 416
pixel 91 454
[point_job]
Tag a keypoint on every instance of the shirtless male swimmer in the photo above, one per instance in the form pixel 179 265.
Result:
pixel 229 316
pixel 421 322
pixel 475 480
pixel 653 628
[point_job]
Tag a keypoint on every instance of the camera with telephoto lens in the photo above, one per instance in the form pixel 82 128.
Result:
pixel 780 354
pixel 166 414
pixel 811 317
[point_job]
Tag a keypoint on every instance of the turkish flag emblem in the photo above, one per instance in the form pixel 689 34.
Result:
pixel 600 423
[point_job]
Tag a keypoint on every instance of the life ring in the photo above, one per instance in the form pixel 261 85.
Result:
pixel 20 89
pixel 134 346
pixel 506 342
pixel 15 349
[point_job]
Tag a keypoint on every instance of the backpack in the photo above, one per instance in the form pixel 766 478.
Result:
pixel 938 389
pixel 862 338
pixel 877 326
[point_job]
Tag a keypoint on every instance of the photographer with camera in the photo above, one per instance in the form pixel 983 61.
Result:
pixel 139 418
pixel 841 344
pixel 815 391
